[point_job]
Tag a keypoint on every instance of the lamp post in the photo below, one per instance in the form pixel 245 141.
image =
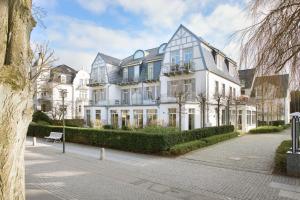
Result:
pixel 63 94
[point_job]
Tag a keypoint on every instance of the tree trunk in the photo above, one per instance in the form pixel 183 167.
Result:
pixel 16 24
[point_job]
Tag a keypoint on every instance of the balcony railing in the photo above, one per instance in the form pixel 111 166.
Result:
pixel 129 81
pixel 178 69
pixel 94 83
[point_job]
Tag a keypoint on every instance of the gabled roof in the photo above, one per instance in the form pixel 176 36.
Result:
pixel 63 69
pixel 246 76
pixel 208 60
pixel 110 60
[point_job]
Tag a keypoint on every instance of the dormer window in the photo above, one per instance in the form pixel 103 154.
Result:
pixel 162 48
pixel 63 78
pixel 125 74
pixel 150 71
pixel 138 54
pixel 214 54
pixel 227 63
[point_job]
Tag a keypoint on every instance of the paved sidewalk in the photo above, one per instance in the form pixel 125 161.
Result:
pixel 79 174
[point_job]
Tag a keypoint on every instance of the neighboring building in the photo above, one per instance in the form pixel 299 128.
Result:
pixel 270 94
pixel 49 85
pixel 145 88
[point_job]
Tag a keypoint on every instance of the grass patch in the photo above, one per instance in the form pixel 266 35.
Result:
pixel 266 129
pixel 280 157
pixel 184 148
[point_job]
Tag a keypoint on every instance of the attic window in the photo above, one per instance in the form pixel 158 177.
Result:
pixel 138 54
pixel 162 48
pixel 227 63
pixel 214 54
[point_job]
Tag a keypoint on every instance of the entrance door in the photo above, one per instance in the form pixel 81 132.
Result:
pixel 240 115
pixel 114 119
pixel 88 117
pixel 191 118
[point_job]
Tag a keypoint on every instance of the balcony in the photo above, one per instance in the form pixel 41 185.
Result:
pixel 95 83
pixel 129 81
pixel 179 69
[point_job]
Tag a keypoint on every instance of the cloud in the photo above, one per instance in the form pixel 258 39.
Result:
pixel 96 6
pixel 45 3
pixel 76 42
pixel 220 26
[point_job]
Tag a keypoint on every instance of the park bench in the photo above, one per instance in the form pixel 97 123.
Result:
pixel 54 136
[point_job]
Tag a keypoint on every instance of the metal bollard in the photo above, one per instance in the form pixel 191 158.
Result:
pixel 102 153
pixel 34 141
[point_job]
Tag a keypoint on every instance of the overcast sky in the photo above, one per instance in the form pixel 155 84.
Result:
pixel 77 29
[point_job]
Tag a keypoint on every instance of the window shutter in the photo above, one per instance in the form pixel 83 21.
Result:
pixel 169 89
pixel 104 94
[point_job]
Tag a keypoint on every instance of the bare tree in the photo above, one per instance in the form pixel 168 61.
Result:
pixel 180 95
pixel 202 100
pixel 218 98
pixel 272 43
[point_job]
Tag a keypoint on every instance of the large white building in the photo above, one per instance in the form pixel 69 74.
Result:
pixel 147 87
pixel 49 85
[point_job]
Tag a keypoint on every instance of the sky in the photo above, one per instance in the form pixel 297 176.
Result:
pixel 78 29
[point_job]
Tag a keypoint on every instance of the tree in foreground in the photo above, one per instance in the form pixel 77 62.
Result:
pixel 272 44
pixel 16 92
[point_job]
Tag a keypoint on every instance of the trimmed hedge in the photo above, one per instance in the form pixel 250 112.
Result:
pixel 183 148
pixel 271 123
pixel 128 140
pixel 69 122
pixel 280 157
pixel 266 129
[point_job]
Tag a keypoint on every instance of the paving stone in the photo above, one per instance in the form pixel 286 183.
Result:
pixel 203 174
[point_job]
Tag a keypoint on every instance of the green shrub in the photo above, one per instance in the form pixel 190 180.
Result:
pixel 280 156
pixel 43 123
pixel 69 122
pixel 40 116
pixel 219 138
pixel 108 126
pixel 266 129
pixel 183 148
pixel 159 129
pixel 271 123
pixel 137 141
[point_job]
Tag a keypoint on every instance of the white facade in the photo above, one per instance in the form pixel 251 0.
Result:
pixel 146 87
pixel 48 96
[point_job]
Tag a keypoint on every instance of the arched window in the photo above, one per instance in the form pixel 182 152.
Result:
pixel 162 48
pixel 138 54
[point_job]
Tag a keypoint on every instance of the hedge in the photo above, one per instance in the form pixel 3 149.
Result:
pixel 136 141
pixel 271 123
pixel 69 122
pixel 280 157
pixel 183 148
pixel 266 129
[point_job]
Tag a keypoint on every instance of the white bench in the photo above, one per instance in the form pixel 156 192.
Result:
pixel 55 136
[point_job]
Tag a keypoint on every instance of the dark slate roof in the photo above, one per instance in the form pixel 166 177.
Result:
pixel 281 82
pixel 110 60
pixel 150 54
pixel 246 77
pixel 212 67
pixel 63 69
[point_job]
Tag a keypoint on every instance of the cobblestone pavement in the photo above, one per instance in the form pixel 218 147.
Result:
pixel 51 175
